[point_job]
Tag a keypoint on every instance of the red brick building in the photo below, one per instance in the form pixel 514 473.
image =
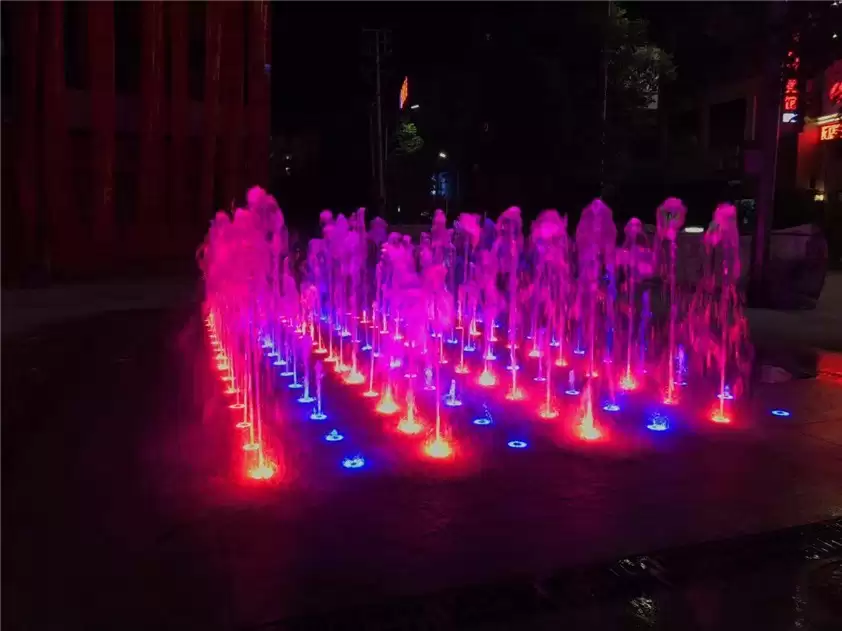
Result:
pixel 125 125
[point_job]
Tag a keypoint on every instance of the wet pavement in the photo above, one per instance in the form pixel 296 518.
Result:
pixel 124 507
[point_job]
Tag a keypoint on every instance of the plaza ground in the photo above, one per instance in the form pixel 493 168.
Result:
pixel 124 505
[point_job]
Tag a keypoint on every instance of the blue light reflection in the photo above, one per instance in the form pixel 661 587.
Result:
pixel 357 462
pixel 333 436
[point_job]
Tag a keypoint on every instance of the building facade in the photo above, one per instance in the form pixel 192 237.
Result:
pixel 125 126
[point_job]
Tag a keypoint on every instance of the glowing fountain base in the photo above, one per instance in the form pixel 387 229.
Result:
pixel 461 369
pixel 515 395
pixel 307 399
pixel 371 394
pixel 333 436
pixel 237 406
pixel 658 423
pixel 295 385
pixel 387 405
pixel 628 383
pixel 719 417
pixel 261 472
pixel 243 425
pixel 452 402
pixel 409 426
pixel 318 416
pixel 548 414
pixel 483 420
pixel 287 373
pixel 354 378
pixel 357 462
pixel 438 448
pixel 611 407
pixel 251 447
pixel 589 432
pixel 487 379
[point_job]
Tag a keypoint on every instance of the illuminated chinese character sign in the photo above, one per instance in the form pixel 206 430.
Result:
pixel 790 104
pixel 831 132
pixel 404 92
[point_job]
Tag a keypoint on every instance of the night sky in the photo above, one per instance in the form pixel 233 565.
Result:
pixel 323 86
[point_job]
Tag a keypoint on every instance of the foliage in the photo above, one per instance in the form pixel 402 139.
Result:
pixel 407 140
pixel 636 66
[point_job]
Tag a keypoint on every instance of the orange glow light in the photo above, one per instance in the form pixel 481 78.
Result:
pixel 831 132
pixel 438 448
pixel 628 382
pixel 355 377
pixel 719 417
pixel 487 379
pixel 409 425
pixel 387 404
pixel 589 432
pixel 560 362
pixel 262 471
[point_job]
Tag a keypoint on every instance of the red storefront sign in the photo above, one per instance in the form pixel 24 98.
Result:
pixel 832 131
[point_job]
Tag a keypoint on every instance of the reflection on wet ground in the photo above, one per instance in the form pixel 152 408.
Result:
pixel 120 477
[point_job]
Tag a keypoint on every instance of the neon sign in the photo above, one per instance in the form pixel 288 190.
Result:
pixel 831 132
pixel 404 92
pixel 791 95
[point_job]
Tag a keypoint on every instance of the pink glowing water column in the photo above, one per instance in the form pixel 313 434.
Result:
pixel 718 327
pixel 670 219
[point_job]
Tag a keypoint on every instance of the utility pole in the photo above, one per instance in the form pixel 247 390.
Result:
pixel 768 130
pixel 605 62
pixel 381 50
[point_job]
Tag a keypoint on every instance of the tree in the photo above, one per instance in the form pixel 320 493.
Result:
pixel 635 70
pixel 636 66
pixel 407 140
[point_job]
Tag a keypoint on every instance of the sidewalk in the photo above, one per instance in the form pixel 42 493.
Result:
pixel 819 329
pixel 26 310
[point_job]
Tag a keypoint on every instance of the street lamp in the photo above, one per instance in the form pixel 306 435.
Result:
pixel 414 107
pixel 442 155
